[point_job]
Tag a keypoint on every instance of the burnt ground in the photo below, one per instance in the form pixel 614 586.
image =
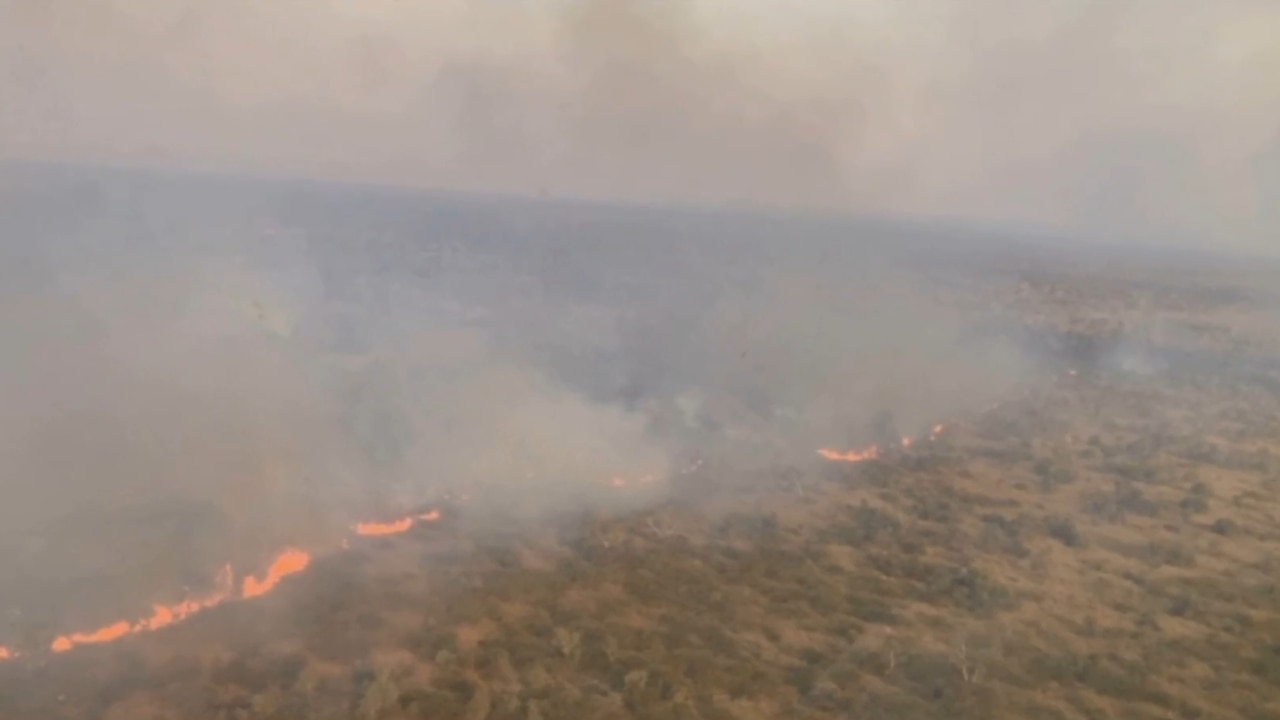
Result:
pixel 1100 545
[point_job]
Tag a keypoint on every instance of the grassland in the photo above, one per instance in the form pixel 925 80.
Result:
pixel 1101 545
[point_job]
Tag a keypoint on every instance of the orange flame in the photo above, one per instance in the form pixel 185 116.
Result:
pixel 293 561
pixel 289 562
pixel 391 528
pixel 851 456
pixel 873 452
pixel 161 616
pixel 111 632
pixel 374 529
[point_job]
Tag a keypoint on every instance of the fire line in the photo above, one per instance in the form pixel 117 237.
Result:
pixel 290 561
pixel 293 561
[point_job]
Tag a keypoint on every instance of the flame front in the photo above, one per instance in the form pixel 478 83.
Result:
pixel 851 456
pixel 374 529
pixel 289 562
pixel 115 631
pixel 873 452
pixel 292 561
pixel 161 616
pixel 391 528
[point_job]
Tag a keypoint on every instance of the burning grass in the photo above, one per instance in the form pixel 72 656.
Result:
pixel 1100 546
pixel 948 579
pixel 288 562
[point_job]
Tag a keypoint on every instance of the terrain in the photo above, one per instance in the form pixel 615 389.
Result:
pixel 1097 541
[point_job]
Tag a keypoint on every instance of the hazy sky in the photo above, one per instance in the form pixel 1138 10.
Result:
pixel 1153 117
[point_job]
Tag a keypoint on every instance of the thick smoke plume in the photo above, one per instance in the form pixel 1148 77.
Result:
pixel 266 367
pixel 200 375
pixel 161 422
pixel 1116 120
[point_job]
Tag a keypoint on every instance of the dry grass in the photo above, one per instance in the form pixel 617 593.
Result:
pixel 1100 548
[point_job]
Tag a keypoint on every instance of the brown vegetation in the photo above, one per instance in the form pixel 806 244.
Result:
pixel 1099 548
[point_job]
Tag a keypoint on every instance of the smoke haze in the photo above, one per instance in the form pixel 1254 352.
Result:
pixel 207 368
pixel 1138 119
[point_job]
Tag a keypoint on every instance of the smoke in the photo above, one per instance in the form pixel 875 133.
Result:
pixel 195 411
pixel 135 401
pixel 200 376
pixel 1108 120
pixel 793 355
pixel 203 395
pixel 444 411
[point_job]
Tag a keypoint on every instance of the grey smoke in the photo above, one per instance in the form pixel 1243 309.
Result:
pixel 1117 121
